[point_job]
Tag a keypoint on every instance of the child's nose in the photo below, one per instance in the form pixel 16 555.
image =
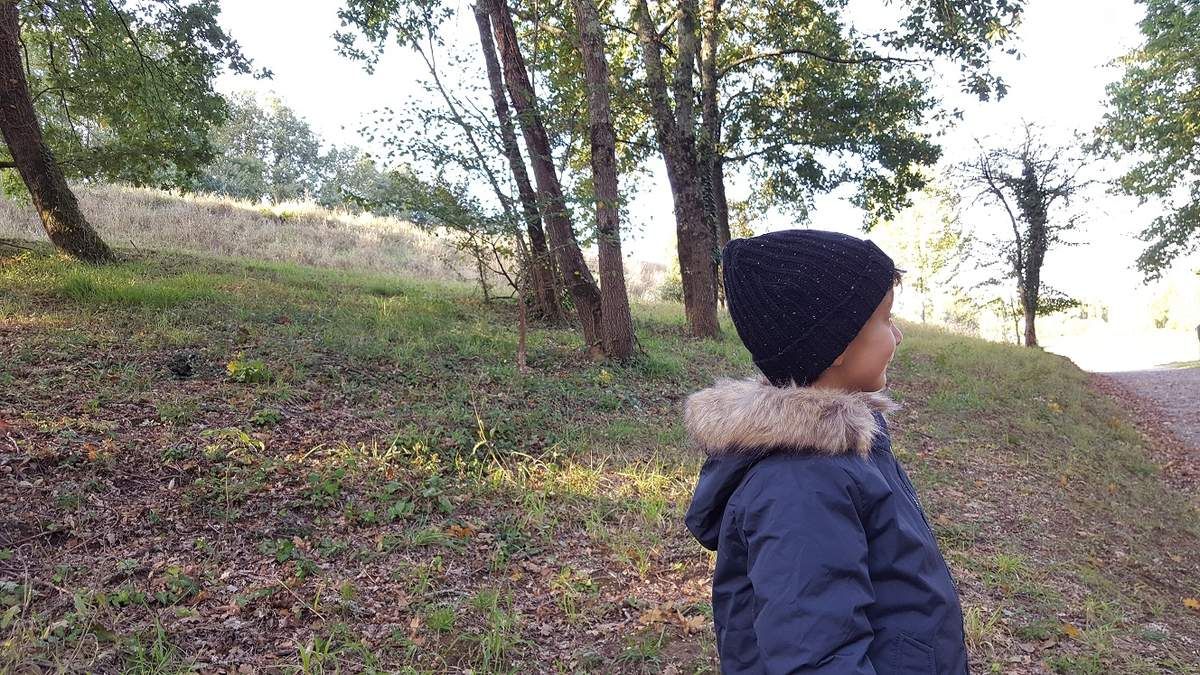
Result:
pixel 899 335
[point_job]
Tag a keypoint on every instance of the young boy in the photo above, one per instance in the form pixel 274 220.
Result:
pixel 826 562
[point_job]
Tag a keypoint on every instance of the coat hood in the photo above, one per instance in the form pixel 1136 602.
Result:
pixel 751 416
pixel 736 422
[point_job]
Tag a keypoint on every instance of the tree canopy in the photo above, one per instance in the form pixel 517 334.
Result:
pixel 1154 114
pixel 811 103
pixel 124 88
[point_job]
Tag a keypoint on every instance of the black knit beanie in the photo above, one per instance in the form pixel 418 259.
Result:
pixel 799 297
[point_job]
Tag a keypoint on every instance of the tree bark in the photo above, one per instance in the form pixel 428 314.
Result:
pixel 614 300
pixel 580 284
pixel 708 147
pixel 522 324
pixel 695 239
pixel 55 203
pixel 1029 291
pixel 710 138
pixel 541 268
pixel 1030 326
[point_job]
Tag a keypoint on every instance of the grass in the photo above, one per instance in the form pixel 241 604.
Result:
pixel 357 477
pixel 293 233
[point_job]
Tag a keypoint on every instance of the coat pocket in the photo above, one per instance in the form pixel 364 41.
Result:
pixel 911 656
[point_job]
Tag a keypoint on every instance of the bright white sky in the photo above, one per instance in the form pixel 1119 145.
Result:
pixel 1059 82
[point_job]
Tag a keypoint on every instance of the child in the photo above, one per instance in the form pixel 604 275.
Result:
pixel 825 560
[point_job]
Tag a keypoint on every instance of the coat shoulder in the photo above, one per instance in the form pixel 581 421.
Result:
pixel 784 477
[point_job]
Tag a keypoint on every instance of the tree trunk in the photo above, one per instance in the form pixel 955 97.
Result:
pixel 53 199
pixel 481 271
pixel 580 283
pixel 542 271
pixel 1029 303
pixel 719 200
pixel 694 233
pixel 709 149
pixel 1030 329
pixel 614 300
pixel 522 323
pixel 1035 256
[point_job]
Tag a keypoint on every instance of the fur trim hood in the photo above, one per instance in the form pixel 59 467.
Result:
pixel 751 417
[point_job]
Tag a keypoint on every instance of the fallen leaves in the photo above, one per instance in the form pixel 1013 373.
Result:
pixel 670 613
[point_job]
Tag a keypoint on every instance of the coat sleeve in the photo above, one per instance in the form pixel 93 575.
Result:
pixel 807 561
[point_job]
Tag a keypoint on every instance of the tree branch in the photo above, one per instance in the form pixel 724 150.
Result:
pixel 997 191
pixel 750 58
pixel 4 242
pixel 750 155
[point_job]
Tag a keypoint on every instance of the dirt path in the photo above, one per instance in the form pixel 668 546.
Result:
pixel 1166 404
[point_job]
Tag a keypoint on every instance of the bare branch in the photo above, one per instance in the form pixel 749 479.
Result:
pixel 5 242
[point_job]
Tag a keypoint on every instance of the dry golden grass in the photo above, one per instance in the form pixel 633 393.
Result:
pixel 301 232
pixel 296 232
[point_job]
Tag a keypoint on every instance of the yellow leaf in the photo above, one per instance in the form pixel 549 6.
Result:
pixel 692 624
pixel 653 615
pixel 1070 630
pixel 1192 603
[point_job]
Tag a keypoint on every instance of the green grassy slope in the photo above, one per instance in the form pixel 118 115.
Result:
pixel 356 477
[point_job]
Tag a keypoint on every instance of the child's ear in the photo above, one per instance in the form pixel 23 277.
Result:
pixel 838 361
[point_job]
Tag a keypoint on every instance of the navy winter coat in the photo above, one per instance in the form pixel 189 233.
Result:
pixel 826 562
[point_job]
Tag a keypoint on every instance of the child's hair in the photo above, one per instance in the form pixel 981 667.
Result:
pixel 898 277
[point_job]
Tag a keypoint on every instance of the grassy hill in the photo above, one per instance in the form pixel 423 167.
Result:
pixel 300 232
pixel 354 476
pixel 297 232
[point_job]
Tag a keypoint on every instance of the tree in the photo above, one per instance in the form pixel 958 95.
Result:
pixel 32 157
pixel 1153 113
pixel 295 164
pixel 798 102
pixel 239 166
pixel 712 164
pixel 674 127
pixel 270 152
pixel 803 103
pixel 541 266
pixel 119 90
pixel 584 292
pixel 614 300
pixel 1028 183
pixel 928 241
pixel 265 152
pixel 455 153
pixel 352 180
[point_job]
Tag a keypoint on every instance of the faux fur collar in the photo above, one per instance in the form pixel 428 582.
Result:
pixel 752 417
